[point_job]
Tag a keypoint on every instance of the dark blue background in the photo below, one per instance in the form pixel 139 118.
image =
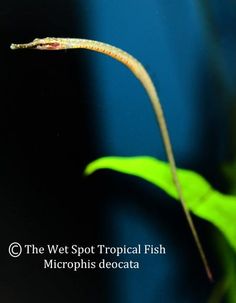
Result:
pixel 61 110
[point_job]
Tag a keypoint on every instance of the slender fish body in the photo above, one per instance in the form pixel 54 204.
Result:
pixel 140 72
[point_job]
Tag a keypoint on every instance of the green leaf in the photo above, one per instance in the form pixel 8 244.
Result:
pixel 202 200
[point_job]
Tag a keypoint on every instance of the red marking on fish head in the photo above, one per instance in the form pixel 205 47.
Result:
pixel 49 46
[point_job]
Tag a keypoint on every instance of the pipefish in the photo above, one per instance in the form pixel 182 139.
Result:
pixel 142 75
